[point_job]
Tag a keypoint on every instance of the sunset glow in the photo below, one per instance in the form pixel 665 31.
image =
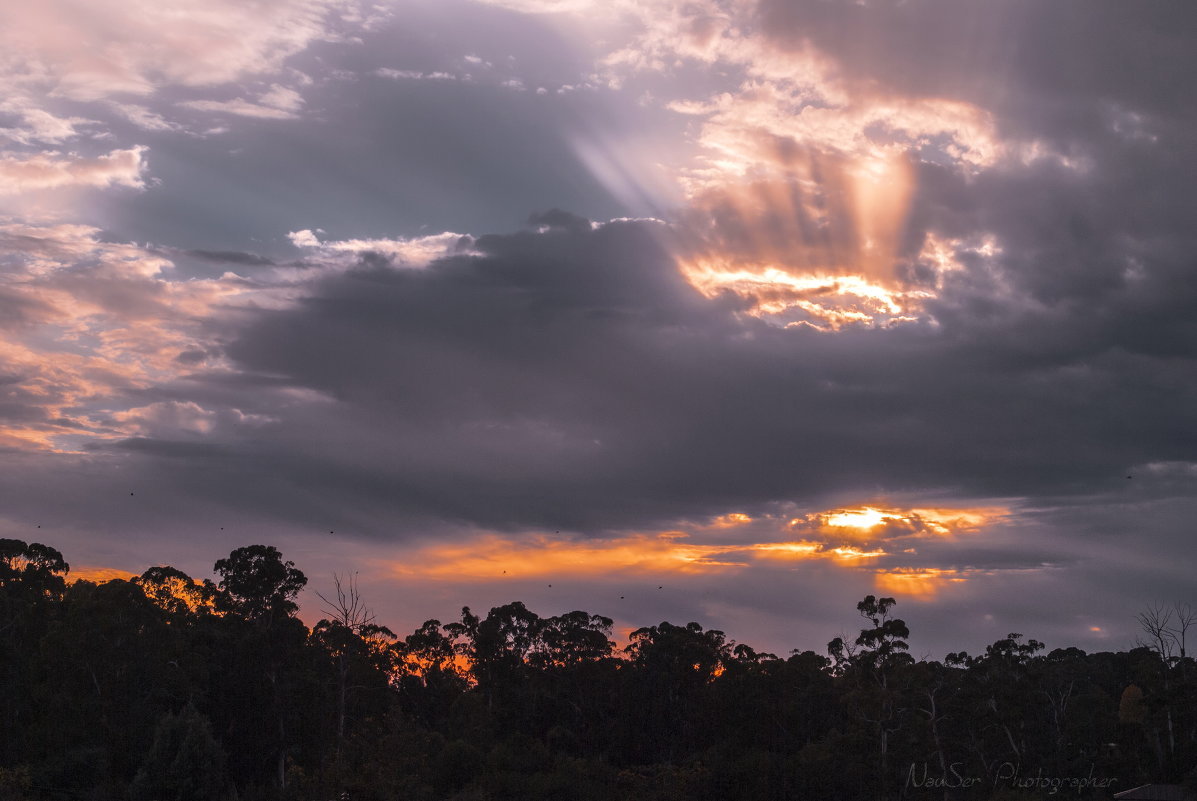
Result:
pixel 921 584
pixel 777 299
pixel 498 558
pixel 865 518
pixel 99 575
pixel 828 301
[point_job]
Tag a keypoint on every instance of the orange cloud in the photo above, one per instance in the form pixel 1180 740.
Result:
pixel 864 519
pixel 869 522
pixel 787 550
pixel 846 537
pixel 493 557
pixel 919 583
pixel 798 179
pixel 731 520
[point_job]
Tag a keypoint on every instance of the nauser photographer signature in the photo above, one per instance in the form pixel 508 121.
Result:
pixel 1008 773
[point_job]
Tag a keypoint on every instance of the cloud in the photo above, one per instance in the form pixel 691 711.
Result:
pixel 568 378
pixel 414 75
pixel 277 103
pixel 58 58
pixel 143 117
pixel 542 6
pixel 53 170
pixel 573 379
pixel 91 324
pixel 797 194
pixel 242 108
pixel 41 127
pixel 825 133
pixel 417 251
pixel 134 48
pixel 172 420
pixel 700 549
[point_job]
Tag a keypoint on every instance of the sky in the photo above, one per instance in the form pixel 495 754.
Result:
pixel 727 311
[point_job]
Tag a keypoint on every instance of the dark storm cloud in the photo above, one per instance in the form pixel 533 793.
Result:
pixel 1099 198
pixel 1069 54
pixel 230 257
pixel 571 379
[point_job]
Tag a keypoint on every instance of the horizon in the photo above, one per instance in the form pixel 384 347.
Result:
pixel 312 609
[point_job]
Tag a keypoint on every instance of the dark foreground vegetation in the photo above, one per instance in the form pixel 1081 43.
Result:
pixel 165 688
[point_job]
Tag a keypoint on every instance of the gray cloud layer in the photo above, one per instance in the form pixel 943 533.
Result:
pixel 572 379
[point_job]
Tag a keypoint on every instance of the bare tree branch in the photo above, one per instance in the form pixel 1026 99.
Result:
pixel 1186 618
pixel 348 609
pixel 1155 621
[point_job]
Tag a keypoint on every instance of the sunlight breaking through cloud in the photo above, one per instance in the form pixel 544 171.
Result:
pixel 798 191
pixel 848 539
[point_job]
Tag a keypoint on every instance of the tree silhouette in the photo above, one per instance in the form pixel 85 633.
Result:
pixel 872 671
pixel 268 661
pixel 258 584
pixel 184 763
pixel 164 687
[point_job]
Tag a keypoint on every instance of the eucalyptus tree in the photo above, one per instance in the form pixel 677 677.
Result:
pixel 872 668
pixel 266 678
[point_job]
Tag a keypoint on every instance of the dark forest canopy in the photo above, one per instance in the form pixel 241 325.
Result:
pixel 163 687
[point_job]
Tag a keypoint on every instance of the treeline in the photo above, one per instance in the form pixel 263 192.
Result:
pixel 161 687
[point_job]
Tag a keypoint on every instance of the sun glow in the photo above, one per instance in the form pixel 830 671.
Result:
pixel 499 558
pixel 788 550
pixel 796 180
pixel 865 518
pixel 877 542
pixel 914 522
pixel 824 300
pixel 848 552
pixel 919 583
pixel 731 520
